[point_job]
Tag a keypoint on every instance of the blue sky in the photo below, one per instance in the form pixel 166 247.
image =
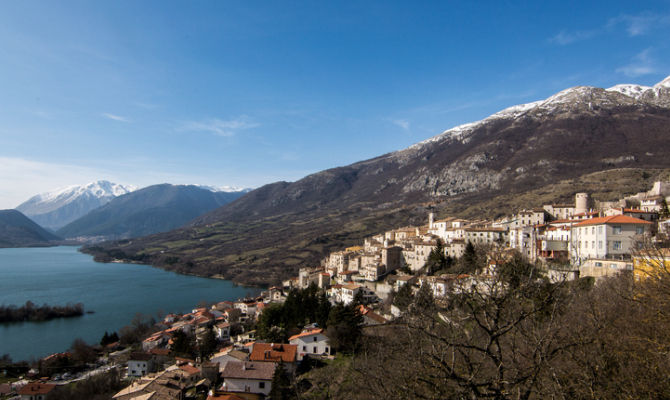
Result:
pixel 248 93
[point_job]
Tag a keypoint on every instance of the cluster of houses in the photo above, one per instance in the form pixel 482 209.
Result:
pixel 241 368
pixel 583 239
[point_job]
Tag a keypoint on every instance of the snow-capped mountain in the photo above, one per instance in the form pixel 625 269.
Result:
pixel 574 99
pixel 59 207
pixel 153 209
pixel 225 189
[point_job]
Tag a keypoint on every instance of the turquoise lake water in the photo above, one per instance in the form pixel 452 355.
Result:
pixel 116 292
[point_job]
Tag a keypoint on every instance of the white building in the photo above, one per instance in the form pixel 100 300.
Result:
pixel 222 331
pixel 248 377
pixel 140 364
pixel 310 341
pixel 606 237
pixel 347 293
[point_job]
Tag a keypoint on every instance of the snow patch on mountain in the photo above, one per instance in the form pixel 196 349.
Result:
pixel 225 189
pixel 634 91
pixel 50 201
pixel 61 206
pixel 586 96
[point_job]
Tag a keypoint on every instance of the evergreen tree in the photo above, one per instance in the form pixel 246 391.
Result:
pixel 281 384
pixel 424 300
pixel 345 326
pixel 182 344
pixel 208 344
pixel 437 260
pixel 665 212
pixel 404 297
pixel 469 261
pixel 322 310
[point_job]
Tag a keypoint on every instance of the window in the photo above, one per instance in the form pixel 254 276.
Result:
pixel 600 244
pixel 593 244
pixel 304 348
pixel 600 229
pixel 616 245
pixel 593 230
pixel 616 229
pixel 639 230
pixel 261 385
pixel 613 266
pixel 315 338
pixel 314 350
pixel 599 264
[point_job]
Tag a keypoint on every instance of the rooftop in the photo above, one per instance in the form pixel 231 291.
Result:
pixel 274 352
pixel 248 370
pixel 308 332
pixel 34 388
pixel 613 219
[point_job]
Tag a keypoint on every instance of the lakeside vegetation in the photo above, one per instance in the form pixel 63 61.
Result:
pixel 32 312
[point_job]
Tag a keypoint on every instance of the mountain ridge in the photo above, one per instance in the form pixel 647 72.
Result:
pixel 59 207
pixel 153 209
pixel 17 230
pixel 280 226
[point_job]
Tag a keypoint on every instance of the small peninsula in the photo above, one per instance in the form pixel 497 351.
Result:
pixel 34 313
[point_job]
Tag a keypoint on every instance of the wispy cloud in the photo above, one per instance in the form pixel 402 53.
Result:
pixel 402 123
pixel 634 25
pixel 220 127
pixel 564 38
pixel 641 64
pixel 115 117
pixel 637 25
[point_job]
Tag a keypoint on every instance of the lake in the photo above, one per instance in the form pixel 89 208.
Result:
pixel 116 292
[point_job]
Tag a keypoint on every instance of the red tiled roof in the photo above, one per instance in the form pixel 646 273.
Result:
pixel 189 369
pixel 613 219
pixel 36 388
pixel 308 332
pixel 273 352
pixel 159 352
pixel 224 397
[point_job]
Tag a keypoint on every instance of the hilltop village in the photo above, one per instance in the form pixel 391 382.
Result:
pixel 255 348
pixel 584 239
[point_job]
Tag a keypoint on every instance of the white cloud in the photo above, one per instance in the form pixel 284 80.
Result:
pixel 403 123
pixel 220 127
pixel 115 117
pixel 641 64
pixel 564 38
pixel 637 25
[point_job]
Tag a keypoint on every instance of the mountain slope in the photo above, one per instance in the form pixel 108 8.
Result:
pixel 60 207
pixel 266 235
pixel 17 230
pixel 153 209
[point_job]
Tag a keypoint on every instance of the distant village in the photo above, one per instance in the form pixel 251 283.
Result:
pixel 570 241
